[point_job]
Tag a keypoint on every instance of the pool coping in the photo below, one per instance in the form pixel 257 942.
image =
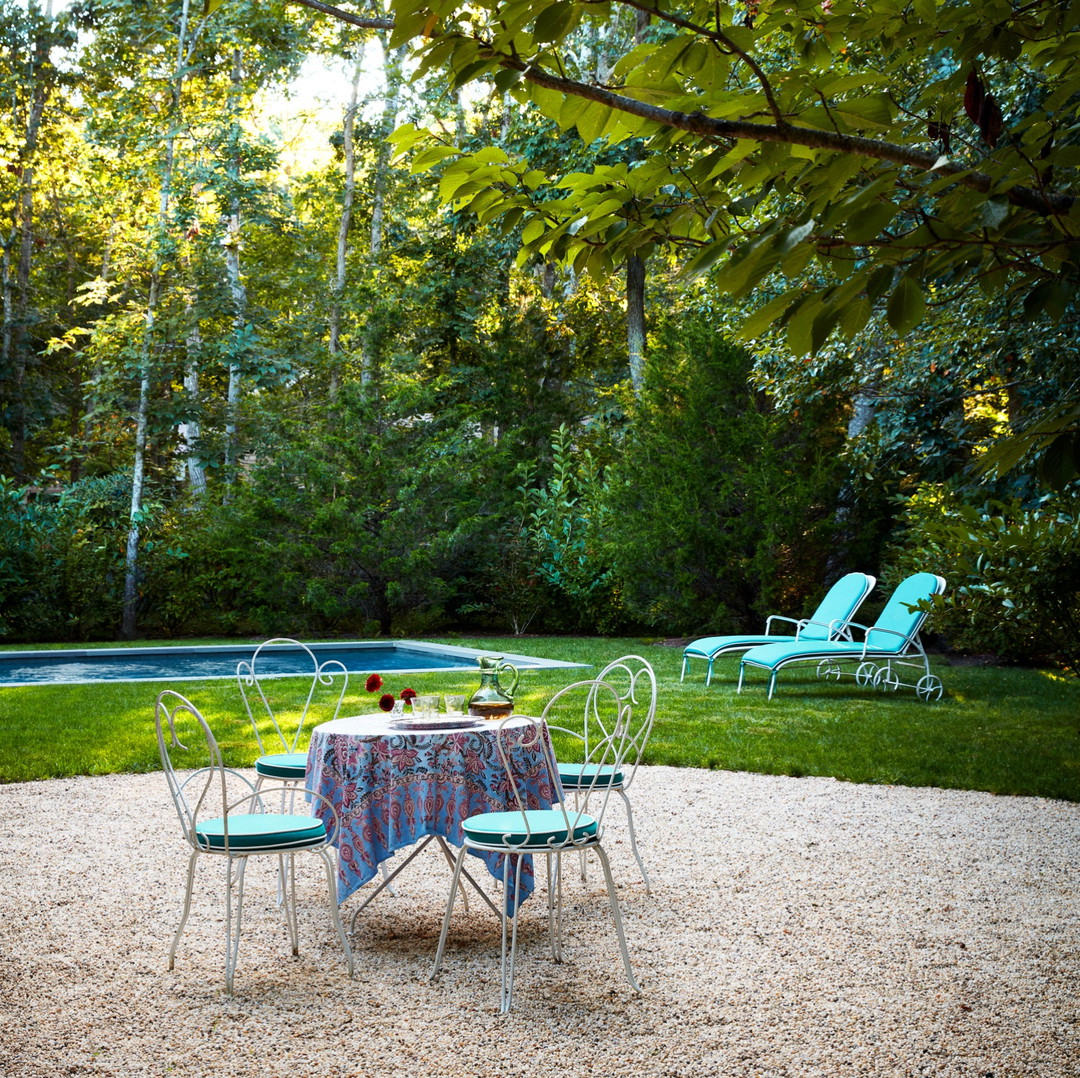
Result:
pixel 523 662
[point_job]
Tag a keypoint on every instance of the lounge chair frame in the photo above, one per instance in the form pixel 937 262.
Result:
pixel 834 629
pixel 876 666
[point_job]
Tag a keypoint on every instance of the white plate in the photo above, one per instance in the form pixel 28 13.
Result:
pixel 464 723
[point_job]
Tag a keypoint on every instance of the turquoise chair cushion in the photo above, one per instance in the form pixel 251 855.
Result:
pixel 261 831
pixel 577 776
pixel 708 647
pixel 776 655
pixel 839 605
pixel 834 611
pixel 547 827
pixel 896 615
pixel 282 765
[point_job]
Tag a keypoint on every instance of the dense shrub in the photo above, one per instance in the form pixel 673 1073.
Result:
pixel 720 510
pixel 1012 569
pixel 355 523
pixel 62 560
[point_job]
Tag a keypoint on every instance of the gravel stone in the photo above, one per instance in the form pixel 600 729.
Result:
pixel 798 928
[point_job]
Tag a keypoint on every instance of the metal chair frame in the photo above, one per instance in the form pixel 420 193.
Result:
pixel 631 671
pixel 248 678
pixel 581 831
pixel 834 629
pixel 207 789
pixel 874 665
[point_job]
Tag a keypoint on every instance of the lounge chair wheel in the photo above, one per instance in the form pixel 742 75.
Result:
pixel 929 687
pixel 865 674
pixel 829 669
pixel 887 680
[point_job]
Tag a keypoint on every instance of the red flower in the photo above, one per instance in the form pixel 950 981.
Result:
pixel 407 694
pixel 373 683
pixel 386 701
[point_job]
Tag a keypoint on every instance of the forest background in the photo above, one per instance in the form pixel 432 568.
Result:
pixel 577 317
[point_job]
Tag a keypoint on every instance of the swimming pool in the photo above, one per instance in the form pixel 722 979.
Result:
pixel 202 663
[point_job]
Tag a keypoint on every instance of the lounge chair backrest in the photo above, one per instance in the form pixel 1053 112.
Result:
pixel 897 616
pixel 838 607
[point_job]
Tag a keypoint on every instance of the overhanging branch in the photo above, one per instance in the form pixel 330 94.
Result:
pixel 347 16
pixel 1045 203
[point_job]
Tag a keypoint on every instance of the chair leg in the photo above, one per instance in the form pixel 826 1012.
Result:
pixel 554 905
pixel 287 897
pixel 507 979
pixel 633 838
pixel 446 916
pixel 708 674
pixel 742 669
pixel 618 919
pixel 685 667
pixel 232 938
pixel 187 907
pixel 335 913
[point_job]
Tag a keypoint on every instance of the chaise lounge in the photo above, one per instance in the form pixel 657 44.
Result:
pixel 829 621
pixel 891 642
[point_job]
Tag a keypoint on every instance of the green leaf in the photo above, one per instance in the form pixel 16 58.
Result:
pixel 868 223
pixel 763 317
pixel 994 211
pixel 879 282
pixel 554 21
pixel 854 316
pixel 797 235
pixel 906 305
pixel 705 259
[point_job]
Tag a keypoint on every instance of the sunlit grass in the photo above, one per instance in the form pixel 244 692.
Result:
pixel 1006 730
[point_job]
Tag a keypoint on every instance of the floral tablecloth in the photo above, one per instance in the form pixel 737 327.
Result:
pixel 392 788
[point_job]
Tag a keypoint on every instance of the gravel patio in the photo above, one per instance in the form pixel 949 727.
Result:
pixel 798 927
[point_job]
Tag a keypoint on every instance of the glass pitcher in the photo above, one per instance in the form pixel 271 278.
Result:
pixel 492 700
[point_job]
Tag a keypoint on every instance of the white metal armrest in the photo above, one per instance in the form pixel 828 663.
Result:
pixel 905 637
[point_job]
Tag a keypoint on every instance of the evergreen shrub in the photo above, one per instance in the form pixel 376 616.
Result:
pixel 721 510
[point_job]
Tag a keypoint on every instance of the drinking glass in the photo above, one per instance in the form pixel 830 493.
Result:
pixel 424 707
pixel 455 705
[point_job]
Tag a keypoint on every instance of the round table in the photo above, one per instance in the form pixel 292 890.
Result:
pixel 393 787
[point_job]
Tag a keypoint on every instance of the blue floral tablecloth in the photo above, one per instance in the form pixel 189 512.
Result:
pixel 391 788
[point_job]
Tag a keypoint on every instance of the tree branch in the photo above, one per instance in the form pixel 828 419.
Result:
pixel 1044 203
pixel 707 127
pixel 347 16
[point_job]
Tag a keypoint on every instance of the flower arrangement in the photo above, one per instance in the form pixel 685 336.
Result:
pixel 386 702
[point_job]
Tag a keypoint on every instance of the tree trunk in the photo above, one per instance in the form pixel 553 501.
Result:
pixel 14 357
pixel 237 290
pixel 392 65
pixel 191 430
pixel 131 556
pixel 337 288
pixel 635 321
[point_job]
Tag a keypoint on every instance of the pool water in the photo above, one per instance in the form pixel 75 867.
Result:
pixel 89 665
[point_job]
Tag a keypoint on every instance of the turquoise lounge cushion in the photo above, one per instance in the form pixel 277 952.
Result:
pixel 576 776
pixel 261 831
pixel 776 655
pixel 547 827
pixel 833 612
pixel 282 765
pixel 708 647
pixel 896 615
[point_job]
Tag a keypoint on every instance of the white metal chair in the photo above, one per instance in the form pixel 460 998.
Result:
pixel 288 765
pixel 223 814
pixel 549 832
pixel 634 680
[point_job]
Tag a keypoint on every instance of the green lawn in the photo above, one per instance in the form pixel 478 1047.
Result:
pixel 1006 730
